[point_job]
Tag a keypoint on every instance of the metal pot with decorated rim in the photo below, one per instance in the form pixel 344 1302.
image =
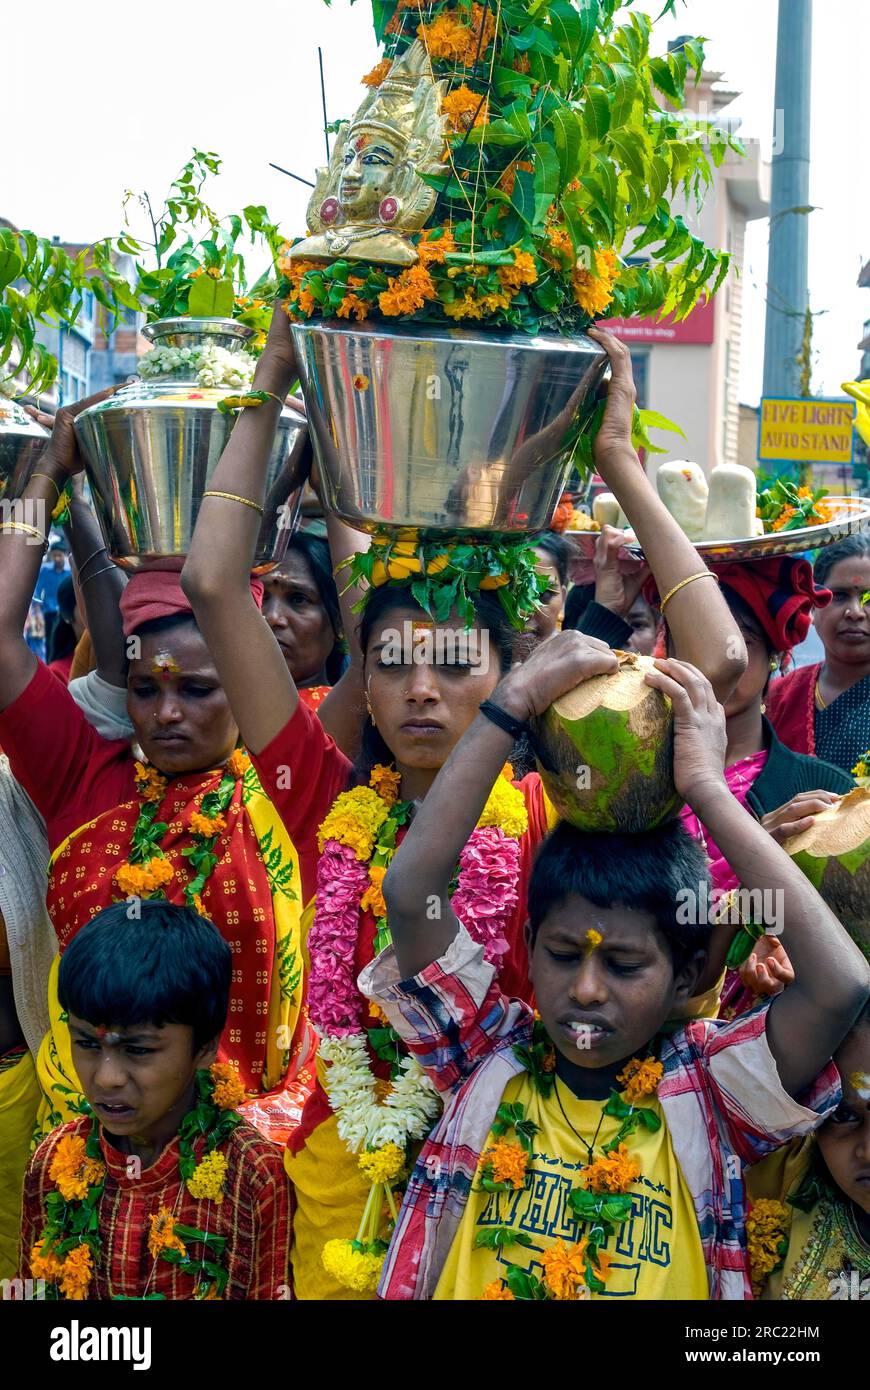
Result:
pixel 152 447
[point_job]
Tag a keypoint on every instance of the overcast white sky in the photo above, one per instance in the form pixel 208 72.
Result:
pixel 97 98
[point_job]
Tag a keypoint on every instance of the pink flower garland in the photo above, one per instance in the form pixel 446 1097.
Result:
pixel 486 894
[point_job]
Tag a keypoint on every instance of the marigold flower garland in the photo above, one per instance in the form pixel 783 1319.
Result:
pixel 357 841
pixel 601 1199
pixel 147 871
pixel 70 1248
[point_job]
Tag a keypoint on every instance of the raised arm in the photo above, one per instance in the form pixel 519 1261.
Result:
pixel 343 712
pixel 421 871
pixel 811 1017
pixel 216 575
pixel 704 631
pixel 23 537
pixel 100 585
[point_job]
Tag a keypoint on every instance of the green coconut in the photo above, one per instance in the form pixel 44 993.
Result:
pixel 605 751
pixel 835 856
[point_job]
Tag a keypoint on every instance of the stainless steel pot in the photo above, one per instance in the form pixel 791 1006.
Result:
pixel 447 429
pixel 22 440
pixel 151 450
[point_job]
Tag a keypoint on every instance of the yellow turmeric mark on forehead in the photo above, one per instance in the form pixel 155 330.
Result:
pixel 593 940
pixel 860 1083
pixel 165 665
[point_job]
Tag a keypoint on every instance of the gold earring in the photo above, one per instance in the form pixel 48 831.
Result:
pixel 371 713
pixel 773 663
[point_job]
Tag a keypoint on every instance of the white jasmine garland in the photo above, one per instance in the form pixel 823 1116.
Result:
pixel 406 1114
pixel 214 367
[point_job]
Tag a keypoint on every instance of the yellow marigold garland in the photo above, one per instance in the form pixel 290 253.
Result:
pixel 767 1228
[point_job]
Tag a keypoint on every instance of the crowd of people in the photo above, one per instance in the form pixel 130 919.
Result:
pixel 305 990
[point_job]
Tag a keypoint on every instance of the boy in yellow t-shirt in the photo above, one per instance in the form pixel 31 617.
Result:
pixel 588 1154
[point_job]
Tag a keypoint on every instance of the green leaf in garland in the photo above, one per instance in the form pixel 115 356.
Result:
pixel 211 298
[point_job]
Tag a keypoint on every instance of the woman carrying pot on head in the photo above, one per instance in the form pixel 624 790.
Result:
pixel 825 709
pixel 772 602
pixel 425 682
pixel 187 821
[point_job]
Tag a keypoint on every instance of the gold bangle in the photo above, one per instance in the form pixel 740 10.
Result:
pixel 24 529
pixel 702 574
pixel 233 497
pixel 51 480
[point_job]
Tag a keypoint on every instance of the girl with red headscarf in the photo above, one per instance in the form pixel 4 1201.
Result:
pixel 186 820
pixel 772 601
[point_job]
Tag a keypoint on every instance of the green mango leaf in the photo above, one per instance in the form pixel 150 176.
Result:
pixel 651 419
pixel 596 113
pixel 568 132
pixel 11 265
pixel 546 180
pixel 210 298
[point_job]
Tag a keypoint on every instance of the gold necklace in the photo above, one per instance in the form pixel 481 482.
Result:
pixel 820 702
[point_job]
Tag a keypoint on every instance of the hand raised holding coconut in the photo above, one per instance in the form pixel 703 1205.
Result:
pixel 555 667
pixel 700 739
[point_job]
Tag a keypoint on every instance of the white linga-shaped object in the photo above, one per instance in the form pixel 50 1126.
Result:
pixel 683 489
pixel 731 505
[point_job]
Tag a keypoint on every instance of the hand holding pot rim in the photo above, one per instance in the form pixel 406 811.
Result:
pixel 555 667
pixel 62 452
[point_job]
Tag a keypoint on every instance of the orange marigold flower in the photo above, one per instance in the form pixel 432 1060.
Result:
pixel 561 244
pixel 386 782
pixel 199 906
pixel 784 518
pixel 150 784
pixel 45 1266
pixel 464 109
pixel 522 272
pixel 612 1172
pixel 407 292
pixel 378 1014
pixel 229 1089
pixel 72 1171
pixel 639 1079
pixel 162 1235
pixel 352 304
pixel 75 1277
pixel 238 764
pixel 522 63
pixel 373 897
pixel 594 292
pixel 496 1292
pixel 432 252
pixel 508 1162
pixel 564 1269
pixel 378 73
pixel 445 38
pixel 207 825
pixel 138 880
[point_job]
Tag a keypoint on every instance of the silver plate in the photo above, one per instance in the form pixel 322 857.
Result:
pixel 851 514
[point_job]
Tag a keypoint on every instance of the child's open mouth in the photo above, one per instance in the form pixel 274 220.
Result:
pixel 586 1035
pixel 114 1112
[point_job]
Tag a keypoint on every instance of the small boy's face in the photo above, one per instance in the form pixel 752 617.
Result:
pixel 137 1078
pixel 845 1139
pixel 604 981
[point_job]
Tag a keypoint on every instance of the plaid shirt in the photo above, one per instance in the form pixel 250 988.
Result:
pixel 720 1094
pixel 254 1215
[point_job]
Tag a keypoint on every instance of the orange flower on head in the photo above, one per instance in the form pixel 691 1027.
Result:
pixel 464 109
pixel 508 1162
pixel 639 1079
pixel 352 304
pixel 72 1171
pixel 445 38
pixel 229 1090
pixel 386 782
pixel 162 1235
pixel 75 1277
pixel 522 272
pixel 432 250
pixel 407 292
pixel 496 1292
pixel 378 73
pixel 612 1172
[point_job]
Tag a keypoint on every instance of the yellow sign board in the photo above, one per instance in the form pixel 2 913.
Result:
pixel 806 431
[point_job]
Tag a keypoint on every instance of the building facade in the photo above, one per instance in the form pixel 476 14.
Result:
pixel 690 371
